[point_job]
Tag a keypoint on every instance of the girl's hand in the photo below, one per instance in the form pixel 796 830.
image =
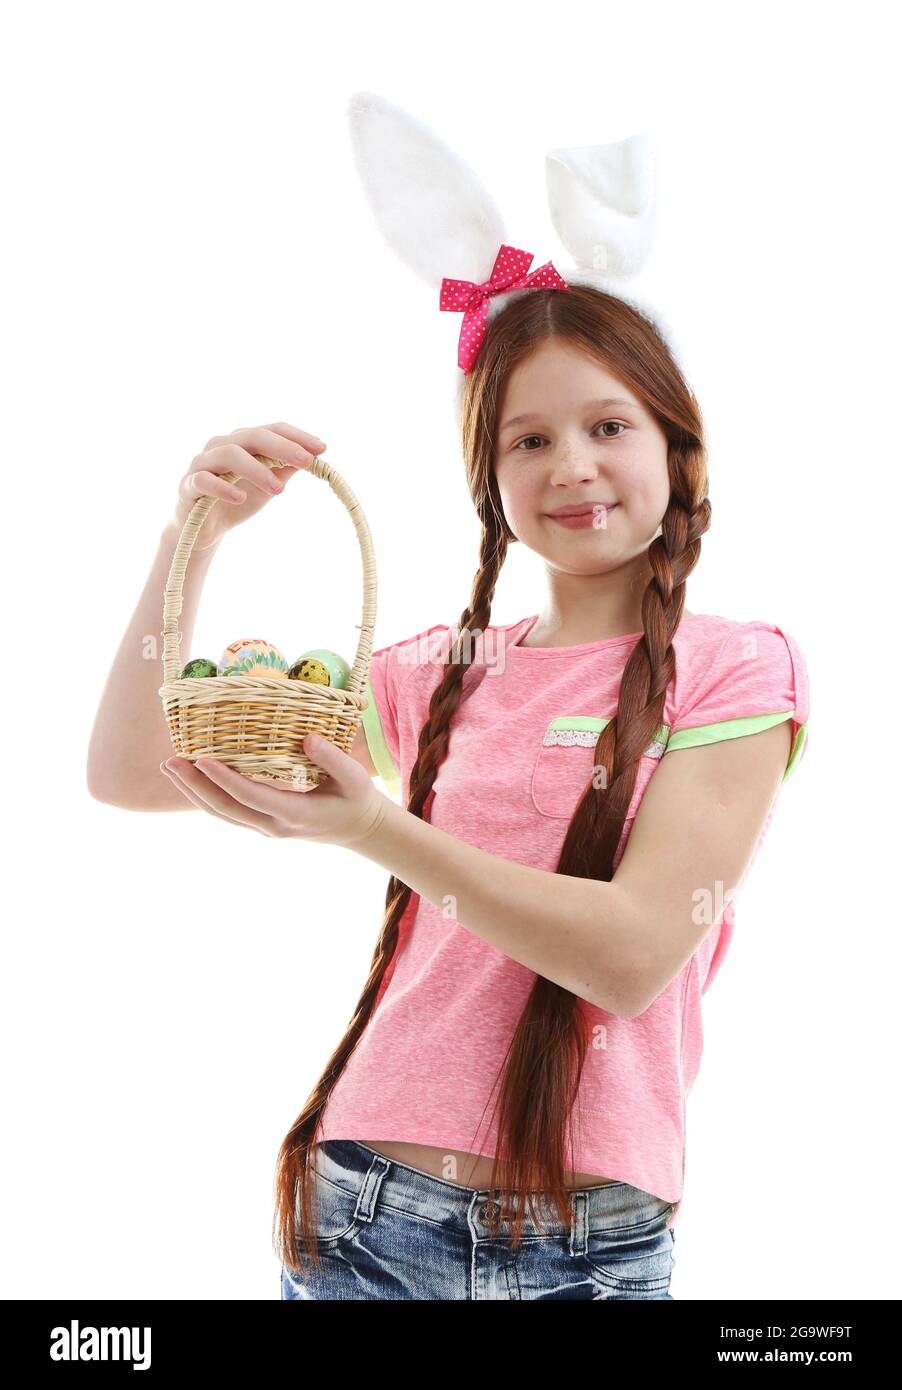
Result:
pixel 234 453
pixel 345 810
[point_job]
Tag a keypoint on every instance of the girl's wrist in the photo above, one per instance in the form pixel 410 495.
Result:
pixel 169 538
pixel 377 827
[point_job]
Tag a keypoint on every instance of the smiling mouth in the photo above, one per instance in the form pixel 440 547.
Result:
pixel 590 509
pixel 587 513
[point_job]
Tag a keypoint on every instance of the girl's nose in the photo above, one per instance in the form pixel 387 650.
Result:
pixel 570 464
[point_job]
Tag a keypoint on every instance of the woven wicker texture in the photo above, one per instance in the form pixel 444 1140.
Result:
pixel 256 724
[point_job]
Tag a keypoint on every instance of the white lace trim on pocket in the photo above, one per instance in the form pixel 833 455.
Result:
pixel 587 738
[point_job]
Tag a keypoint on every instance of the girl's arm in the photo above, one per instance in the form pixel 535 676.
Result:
pixel 614 944
pixel 130 737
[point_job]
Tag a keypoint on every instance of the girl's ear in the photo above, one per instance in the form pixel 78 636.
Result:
pixel 428 203
pixel 603 205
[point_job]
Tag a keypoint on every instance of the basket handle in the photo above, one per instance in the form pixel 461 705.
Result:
pixel 172 597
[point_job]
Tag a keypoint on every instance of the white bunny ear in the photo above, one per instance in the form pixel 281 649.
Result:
pixel 603 203
pixel 603 206
pixel 429 205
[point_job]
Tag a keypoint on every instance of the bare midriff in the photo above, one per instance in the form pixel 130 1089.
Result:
pixel 464 1169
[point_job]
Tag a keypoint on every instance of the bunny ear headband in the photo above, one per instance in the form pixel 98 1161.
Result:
pixel 437 216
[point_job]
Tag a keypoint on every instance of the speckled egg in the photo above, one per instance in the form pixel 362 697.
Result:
pixel 253 656
pixel 200 666
pixel 322 667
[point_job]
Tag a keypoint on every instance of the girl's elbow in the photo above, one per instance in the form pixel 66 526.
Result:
pixel 618 1001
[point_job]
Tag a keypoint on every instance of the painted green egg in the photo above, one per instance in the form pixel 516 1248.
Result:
pixel 200 666
pixel 322 667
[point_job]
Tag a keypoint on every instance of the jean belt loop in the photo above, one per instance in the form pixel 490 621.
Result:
pixel 579 1223
pixel 369 1192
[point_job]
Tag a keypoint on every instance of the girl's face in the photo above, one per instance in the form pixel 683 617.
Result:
pixel 586 441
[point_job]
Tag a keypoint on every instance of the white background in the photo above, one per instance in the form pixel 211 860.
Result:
pixel 188 250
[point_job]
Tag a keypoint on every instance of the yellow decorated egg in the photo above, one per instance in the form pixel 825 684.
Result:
pixel 253 656
pixel 322 667
pixel 309 670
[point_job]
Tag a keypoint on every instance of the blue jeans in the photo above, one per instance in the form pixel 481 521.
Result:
pixel 386 1230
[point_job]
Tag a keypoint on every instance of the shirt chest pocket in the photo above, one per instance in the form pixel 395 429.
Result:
pixel 565 764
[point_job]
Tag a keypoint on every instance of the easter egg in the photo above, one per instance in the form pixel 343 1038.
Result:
pixel 322 667
pixel 308 670
pixel 253 656
pixel 200 666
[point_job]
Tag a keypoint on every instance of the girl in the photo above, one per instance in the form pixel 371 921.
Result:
pixel 584 792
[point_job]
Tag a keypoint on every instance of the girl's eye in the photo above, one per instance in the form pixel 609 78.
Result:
pixel 618 423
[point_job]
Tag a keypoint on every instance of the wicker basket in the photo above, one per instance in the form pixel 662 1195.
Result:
pixel 256 724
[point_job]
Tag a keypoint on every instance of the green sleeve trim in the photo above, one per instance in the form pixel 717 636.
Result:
pixel 375 738
pixel 693 738
pixel 801 736
pixel 727 728
pixel 737 728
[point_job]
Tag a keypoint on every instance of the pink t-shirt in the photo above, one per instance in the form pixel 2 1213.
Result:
pixel 520 754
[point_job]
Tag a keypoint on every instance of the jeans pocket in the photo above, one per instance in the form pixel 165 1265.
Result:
pixel 632 1260
pixel 337 1212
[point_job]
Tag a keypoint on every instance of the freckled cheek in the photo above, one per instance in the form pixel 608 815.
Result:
pixel 641 515
pixel 642 493
pixel 521 502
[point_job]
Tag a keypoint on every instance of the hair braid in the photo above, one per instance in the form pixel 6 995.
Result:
pixel 295 1215
pixel 548 1049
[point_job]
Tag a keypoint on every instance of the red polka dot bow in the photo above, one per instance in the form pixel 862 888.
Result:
pixel 508 273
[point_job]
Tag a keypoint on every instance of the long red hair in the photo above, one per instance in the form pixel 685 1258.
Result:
pixel 540 1077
